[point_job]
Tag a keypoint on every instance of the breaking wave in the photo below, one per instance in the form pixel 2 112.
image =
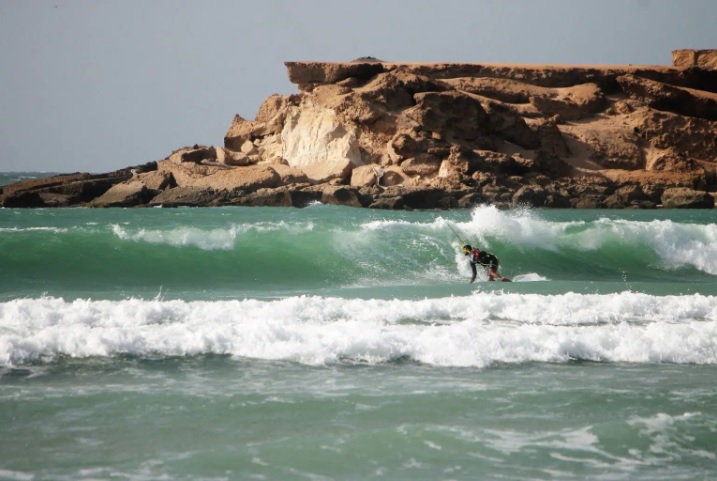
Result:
pixel 476 330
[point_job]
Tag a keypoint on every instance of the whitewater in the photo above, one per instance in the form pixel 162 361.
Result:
pixel 476 330
pixel 338 343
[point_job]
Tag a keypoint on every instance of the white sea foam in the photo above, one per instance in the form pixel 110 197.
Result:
pixel 522 227
pixel 529 277
pixel 223 238
pixel 475 330
pixel 16 475
pixel 212 239
pixel 54 230
pixel 387 224
pixel 677 244
pixel 663 432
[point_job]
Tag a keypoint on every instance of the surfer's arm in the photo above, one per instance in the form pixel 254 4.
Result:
pixel 475 272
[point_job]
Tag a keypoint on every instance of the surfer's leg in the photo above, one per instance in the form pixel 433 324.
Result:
pixel 493 273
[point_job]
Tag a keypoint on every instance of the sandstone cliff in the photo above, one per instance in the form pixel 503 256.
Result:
pixel 395 135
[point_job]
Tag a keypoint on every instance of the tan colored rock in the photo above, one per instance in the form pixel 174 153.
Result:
pixel 669 160
pixel 664 97
pixel 366 175
pixel 510 126
pixel 325 171
pixel 409 143
pixel 337 194
pixel 307 73
pixel 393 176
pixel 289 175
pixel 502 89
pixel 247 179
pixel 189 196
pixel 183 174
pixel 125 194
pixel 272 111
pixel 424 165
pixel 533 195
pixel 247 147
pixel 231 157
pixel 269 121
pixel 315 135
pixel 449 168
pixel 221 155
pixel 220 177
pixel 451 115
pixel 351 107
pixel 571 103
pixel 652 178
pixel 692 137
pixel 706 59
pixel 609 145
pixel 239 131
pixel 394 91
pixel 155 180
pixel 270 149
pixel 195 154
pixel 685 198
pixel 552 141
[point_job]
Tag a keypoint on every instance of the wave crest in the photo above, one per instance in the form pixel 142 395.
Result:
pixel 476 330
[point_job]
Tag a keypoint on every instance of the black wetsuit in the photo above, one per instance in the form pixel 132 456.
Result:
pixel 486 259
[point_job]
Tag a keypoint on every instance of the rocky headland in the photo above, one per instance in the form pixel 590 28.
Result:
pixel 377 134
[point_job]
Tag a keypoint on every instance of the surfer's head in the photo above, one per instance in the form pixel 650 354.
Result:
pixel 466 249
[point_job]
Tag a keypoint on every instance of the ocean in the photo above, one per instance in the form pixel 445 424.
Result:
pixel 334 343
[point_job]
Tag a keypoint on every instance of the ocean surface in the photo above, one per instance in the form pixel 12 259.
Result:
pixel 332 343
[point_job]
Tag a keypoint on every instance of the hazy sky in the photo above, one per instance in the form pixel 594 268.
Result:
pixel 97 85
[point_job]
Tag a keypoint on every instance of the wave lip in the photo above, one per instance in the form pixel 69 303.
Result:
pixel 477 330
pixel 219 238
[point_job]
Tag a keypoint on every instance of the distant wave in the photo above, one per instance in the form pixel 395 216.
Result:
pixel 223 238
pixel 476 330
pixel 54 230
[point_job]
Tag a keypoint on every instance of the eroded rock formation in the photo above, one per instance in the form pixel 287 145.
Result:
pixel 394 135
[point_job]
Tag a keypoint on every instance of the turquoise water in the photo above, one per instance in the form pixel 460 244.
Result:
pixel 339 343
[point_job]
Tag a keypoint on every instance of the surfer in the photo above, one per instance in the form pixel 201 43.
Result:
pixel 486 259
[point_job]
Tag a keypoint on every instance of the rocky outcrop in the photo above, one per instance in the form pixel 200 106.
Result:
pixel 376 134
pixel 60 190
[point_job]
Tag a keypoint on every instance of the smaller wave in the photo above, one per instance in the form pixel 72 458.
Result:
pixel 54 230
pixel 213 239
pixel 223 238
